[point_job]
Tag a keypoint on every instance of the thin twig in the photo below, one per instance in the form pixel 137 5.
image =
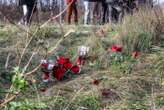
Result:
pixel 55 17
pixel 7 61
pixel 7 98
pixel 34 53
pixel 24 50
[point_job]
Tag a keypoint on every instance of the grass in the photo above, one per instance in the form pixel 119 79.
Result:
pixel 132 84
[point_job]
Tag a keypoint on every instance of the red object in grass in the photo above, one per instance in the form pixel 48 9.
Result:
pixel 75 69
pixel 65 62
pixel 59 72
pixel 96 82
pixel 43 89
pixel 80 61
pixel 45 65
pixel 45 76
pixel 116 48
pixel 106 92
pixel 135 54
pixel 62 60
pixel 68 65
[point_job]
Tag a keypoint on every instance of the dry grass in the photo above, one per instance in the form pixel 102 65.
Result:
pixel 141 30
pixel 142 88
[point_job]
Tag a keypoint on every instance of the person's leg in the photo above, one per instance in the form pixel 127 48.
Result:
pixel 25 11
pixel 29 14
pixel 69 13
pixel 75 13
pixel 114 15
pixel 121 14
pixel 87 11
pixel 91 8
pixel 110 13
pixel 105 7
pixel 95 12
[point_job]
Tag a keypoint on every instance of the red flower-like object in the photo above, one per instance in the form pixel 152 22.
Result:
pixel 59 72
pixel 106 92
pixel 75 69
pixel 68 65
pixel 45 76
pixel 62 60
pixel 43 89
pixel 116 48
pixel 63 67
pixel 135 54
pixel 44 65
pixel 80 61
pixel 96 82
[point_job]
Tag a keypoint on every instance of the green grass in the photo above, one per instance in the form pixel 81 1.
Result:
pixel 137 82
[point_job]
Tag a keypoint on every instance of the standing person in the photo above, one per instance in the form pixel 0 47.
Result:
pixel 92 10
pixel 115 10
pixel 87 11
pixel 106 4
pixel 29 7
pixel 72 9
pixel 130 6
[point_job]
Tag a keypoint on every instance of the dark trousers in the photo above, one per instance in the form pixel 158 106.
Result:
pixel 105 9
pixel 28 16
pixel 72 9
pixel 26 19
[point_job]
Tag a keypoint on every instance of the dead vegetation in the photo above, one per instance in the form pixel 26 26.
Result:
pixel 105 82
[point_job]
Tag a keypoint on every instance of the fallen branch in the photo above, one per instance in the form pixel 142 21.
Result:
pixel 8 100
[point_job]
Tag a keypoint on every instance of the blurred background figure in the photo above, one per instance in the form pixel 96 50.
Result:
pixel 114 10
pixel 92 10
pixel 158 3
pixel 72 8
pixel 87 11
pixel 29 7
